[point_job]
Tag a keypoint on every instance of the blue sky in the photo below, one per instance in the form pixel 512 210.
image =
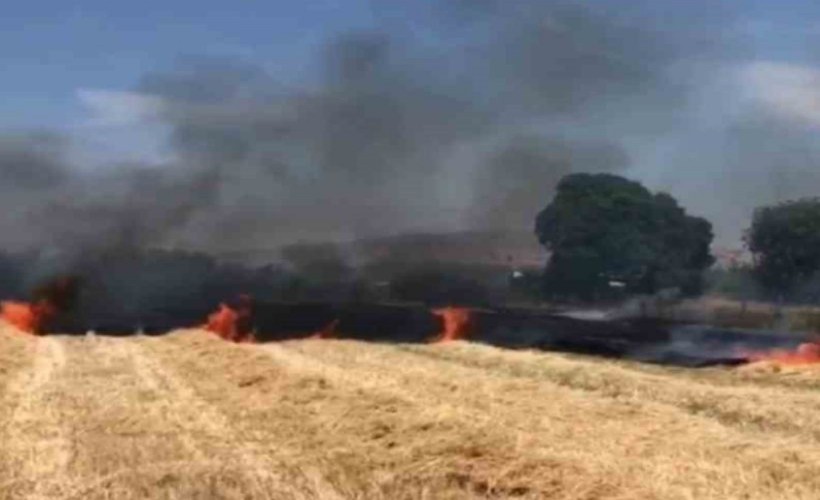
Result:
pixel 56 52
pixel 52 49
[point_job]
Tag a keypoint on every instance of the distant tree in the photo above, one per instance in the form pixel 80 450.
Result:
pixel 785 242
pixel 604 230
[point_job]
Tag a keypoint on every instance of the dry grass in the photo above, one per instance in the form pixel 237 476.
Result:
pixel 190 416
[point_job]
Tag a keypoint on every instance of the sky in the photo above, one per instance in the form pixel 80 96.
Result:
pixel 62 58
pixel 53 49
pixel 77 68
pixel 57 54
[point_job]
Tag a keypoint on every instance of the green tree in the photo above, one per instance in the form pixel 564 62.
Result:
pixel 602 228
pixel 785 241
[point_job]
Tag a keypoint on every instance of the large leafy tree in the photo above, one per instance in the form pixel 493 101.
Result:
pixel 785 241
pixel 602 228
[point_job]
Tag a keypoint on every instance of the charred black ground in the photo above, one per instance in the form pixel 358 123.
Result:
pixel 645 340
pixel 159 291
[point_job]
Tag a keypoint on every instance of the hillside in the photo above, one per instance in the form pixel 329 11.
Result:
pixel 190 416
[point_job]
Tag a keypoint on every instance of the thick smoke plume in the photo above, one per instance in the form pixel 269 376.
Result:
pixel 446 115
pixel 392 133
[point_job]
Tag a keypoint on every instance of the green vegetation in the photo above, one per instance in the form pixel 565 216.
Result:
pixel 605 230
pixel 785 240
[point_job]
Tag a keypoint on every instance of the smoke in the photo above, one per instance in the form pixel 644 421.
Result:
pixel 445 115
pixel 518 178
pixel 31 162
pixel 359 155
pixel 395 135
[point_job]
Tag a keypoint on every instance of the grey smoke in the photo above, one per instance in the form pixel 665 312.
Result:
pixel 392 133
pixel 31 161
pixel 518 178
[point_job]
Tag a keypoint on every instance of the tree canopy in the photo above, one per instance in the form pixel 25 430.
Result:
pixel 785 241
pixel 603 229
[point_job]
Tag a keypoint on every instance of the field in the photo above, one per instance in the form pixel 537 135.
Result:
pixel 190 416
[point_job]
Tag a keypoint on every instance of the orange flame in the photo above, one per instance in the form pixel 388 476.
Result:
pixel 806 354
pixel 458 323
pixel 233 323
pixel 28 317
pixel 327 332
pixel 50 299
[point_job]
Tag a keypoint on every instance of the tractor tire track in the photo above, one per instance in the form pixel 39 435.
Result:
pixel 208 458
pixel 536 408
pixel 741 409
pixel 101 418
pixel 202 423
pixel 347 429
pixel 37 445
pixel 212 436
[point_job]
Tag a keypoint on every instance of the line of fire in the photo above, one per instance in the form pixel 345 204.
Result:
pixel 153 293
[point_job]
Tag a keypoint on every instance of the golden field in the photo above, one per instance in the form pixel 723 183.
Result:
pixel 190 416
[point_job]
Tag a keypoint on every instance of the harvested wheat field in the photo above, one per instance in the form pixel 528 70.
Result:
pixel 188 415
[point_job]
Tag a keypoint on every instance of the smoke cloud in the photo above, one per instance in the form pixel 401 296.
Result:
pixel 449 115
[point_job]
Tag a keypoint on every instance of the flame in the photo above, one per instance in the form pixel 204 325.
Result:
pixel 458 323
pixel 50 300
pixel 327 332
pixel 806 354
pixel 233 323
pixel 28 317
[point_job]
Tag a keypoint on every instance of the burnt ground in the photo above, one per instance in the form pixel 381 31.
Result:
pixel 647 340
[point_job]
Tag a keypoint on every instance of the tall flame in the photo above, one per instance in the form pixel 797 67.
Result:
pixel 458 323
pixel 51 299
pixel 233 323
pixel 29 317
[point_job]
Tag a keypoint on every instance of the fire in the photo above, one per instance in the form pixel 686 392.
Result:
pixel 327 332
pixel 458 323
pixel 29 317
pixel 49 301
pixel 233 323
pixel 806 354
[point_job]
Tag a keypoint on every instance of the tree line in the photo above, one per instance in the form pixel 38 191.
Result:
pixel 609 236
